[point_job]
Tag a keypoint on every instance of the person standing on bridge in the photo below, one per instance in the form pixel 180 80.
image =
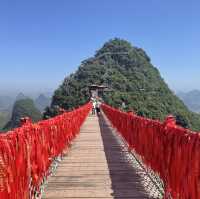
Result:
pixel 123 106
pixel 93 106
pixel 98 105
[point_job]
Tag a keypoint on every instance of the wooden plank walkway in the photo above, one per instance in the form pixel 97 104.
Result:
pixel 95 167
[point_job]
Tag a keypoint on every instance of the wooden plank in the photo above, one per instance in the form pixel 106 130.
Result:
pixel 95 168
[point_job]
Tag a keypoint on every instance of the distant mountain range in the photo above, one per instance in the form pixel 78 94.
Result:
pixel 21 96
pixel 41 102
pixel 191 99
pixel 23 108
pixel 7 104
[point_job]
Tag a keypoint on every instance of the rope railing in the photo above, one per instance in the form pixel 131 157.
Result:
pixel 27 153
pixel 170 151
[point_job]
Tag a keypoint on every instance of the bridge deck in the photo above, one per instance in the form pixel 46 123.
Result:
pixel 96 167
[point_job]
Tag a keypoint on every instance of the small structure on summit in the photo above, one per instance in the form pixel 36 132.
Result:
pixel 97 90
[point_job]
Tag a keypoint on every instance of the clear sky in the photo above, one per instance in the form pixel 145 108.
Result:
pixel 42 41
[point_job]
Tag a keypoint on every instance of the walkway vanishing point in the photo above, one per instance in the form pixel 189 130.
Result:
pixel 99 165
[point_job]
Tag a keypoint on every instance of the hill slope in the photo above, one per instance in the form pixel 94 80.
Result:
pixel 128 71
pixel 23 108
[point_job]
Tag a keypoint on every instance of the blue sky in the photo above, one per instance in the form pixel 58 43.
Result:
pixel 42 41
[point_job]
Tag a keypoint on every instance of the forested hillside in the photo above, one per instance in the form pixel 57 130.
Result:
pixel 131 78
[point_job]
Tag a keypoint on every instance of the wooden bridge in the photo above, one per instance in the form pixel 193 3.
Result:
pixel 122 160
pixel 98 165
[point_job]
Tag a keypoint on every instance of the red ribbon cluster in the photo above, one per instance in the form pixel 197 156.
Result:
pixel 169 150
pixel 26 153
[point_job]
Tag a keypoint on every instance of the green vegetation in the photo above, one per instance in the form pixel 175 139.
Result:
pixel 23 108
pixel 128 72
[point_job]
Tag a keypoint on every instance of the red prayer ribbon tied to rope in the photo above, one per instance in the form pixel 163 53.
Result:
pixel 171 151
pixel 26 153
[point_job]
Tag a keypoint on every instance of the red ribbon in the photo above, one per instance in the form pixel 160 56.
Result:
pixel 27 152
pixel 171 151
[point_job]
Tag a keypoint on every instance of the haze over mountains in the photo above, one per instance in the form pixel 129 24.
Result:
pixel 41 101
pixel 23 107
pixel 191 99
pixel 131 78
pixel 9 108
pixel 5 102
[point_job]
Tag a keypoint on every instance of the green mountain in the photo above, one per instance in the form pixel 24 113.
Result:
pixel 23 108
pixel 131 78
pixel 191 100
